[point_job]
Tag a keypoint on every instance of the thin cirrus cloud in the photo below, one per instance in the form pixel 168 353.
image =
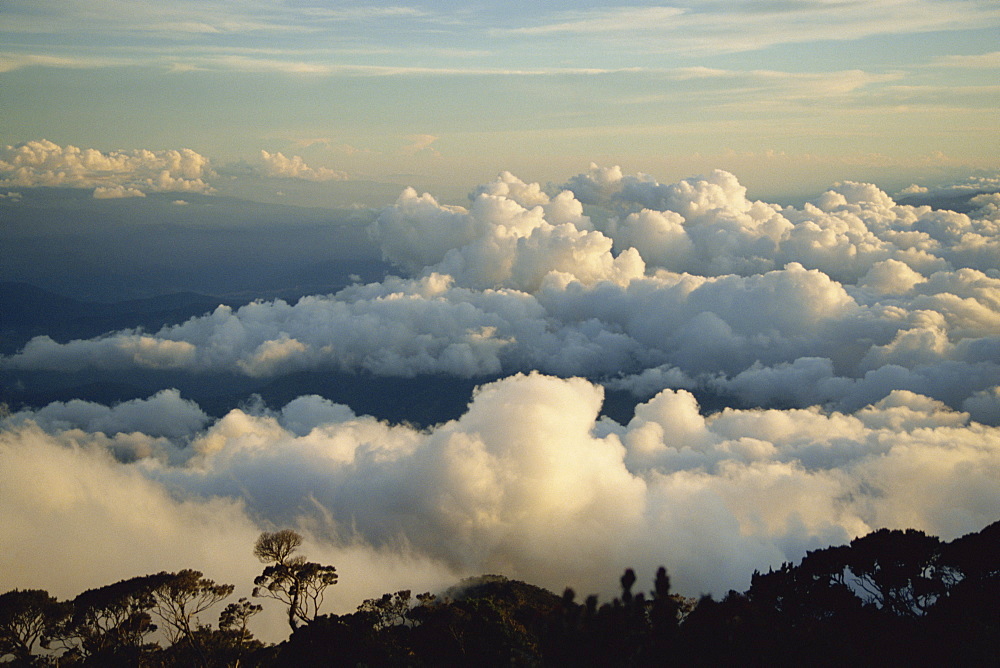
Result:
pixel 707 28
pixel 10 61
pixel 983 60
pixel 684 28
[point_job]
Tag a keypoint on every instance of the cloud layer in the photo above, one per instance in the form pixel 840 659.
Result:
pixel 528 482
pixel 856 342
pixel 111 174
pixel 640 285
pixel 119 174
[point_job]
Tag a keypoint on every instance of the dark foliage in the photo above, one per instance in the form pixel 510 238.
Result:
pixel 289 578
pixel 888 598
pixel 26 618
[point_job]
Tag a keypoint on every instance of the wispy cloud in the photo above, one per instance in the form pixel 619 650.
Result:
pixel 322 66
pixel 420 143
pixel 362 12
pixel 704 27
pixel 14 61
pixel 621 19
pixel 185 17
pixel 976 61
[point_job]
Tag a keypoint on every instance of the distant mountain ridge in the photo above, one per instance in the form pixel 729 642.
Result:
pixel 27 311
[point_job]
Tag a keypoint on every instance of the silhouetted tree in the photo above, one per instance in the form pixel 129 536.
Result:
pixel 899 571
pixel 389 610
pixel 179 598
pixel 664 616
pixel 235 620
pixel 888 598
pixel 108 625
pixel 297 583
pixel 973 557
pixel 26 616
pixel 966 622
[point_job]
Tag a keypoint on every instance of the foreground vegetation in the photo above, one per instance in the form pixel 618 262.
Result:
pixel 888 598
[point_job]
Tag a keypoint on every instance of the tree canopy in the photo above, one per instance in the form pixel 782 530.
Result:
pixel 888 598
pixel 289 578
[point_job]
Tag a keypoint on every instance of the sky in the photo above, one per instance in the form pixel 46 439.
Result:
pixel 789 95
pixel 718 214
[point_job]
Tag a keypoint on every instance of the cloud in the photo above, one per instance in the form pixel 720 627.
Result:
pixel 500 241
pixel 848 349
pixel 164 414
pixel 10 62
pixel 116 192
pixel 420 143
pixel 690 284
pixel 527 482
pixel 277 165
pixel 616 20
pixel 74 518
pixel 111 174
pixel 711 29
pixel 989 60
pixel 972 185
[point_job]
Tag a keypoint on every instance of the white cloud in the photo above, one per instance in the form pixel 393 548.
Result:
pixel 116 192
pixel 111 174
pixel 688 284
pixel 164 414
pixel 420 143
pixel 612 20
pixel 499 241
pixel 277 165
pixel 854 339
pixel 975 61
pixel 15 61
pixel 751 26
pixel 74 518
pixel 527 482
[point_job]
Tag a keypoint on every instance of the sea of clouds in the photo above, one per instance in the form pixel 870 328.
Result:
pixel 855 341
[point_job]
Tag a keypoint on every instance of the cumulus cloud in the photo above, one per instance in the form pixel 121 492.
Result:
pixel 706 225
pixel 111 174
pixel 690 284
pixel 73 517
pixel 849 348
pixel 164 414
pixel 277 165
pixel 528 482
pixel 499 241
pixel 970 186
pixel 116 192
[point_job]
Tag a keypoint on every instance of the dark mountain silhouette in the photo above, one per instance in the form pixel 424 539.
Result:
pixel 27 311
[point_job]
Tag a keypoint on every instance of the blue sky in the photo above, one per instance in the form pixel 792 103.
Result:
pixel 789 95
